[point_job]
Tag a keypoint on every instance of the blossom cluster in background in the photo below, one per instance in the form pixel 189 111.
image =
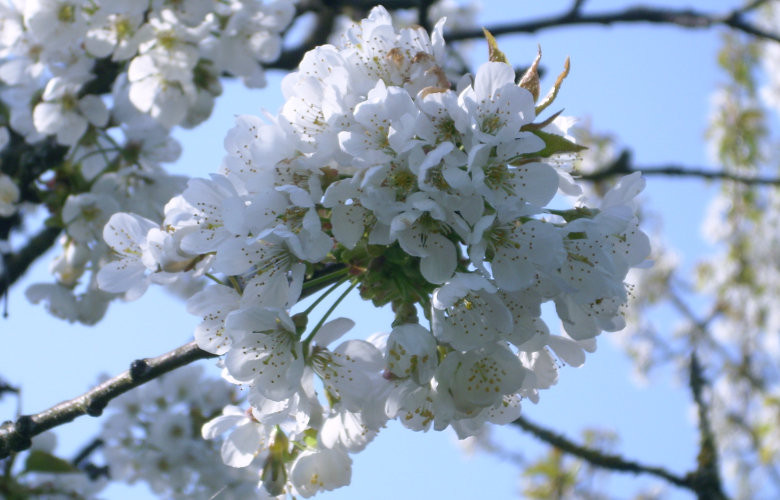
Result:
pixel 107 81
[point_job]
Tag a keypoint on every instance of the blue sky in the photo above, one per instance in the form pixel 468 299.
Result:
pixel 647 85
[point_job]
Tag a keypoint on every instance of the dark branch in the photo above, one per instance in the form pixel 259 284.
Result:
pixel 87 451
pixel 600 459
pixel 291 58
pixel 16 264
pixel 706 479
pixel 685 18
pixel 17 436
pixel 422 17
pixel 576 7
pixel 5 387
pixel 623 166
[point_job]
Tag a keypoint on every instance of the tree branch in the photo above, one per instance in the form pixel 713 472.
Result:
pixel 16 264
pixel 623 166
pixel 685 18
pixel 706 479
pixel 16 436
pixel 291 58
pixel 600 459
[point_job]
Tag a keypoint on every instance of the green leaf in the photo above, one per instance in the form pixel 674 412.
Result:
pixel 40 461
pixel 494 54
pixel 554 144
pixel 310 438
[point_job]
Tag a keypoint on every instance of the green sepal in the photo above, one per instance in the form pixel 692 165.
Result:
pixel 41 461
pixel 555 144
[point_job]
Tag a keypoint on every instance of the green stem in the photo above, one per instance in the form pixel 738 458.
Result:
pixel 99 151
pixel 325 316
pixel 327 278
pixel 214 278
pixel 323 295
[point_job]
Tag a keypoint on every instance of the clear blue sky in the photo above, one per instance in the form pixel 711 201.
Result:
pixel 647 85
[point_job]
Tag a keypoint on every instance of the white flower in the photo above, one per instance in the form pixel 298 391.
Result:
pixel 480 378
pixel 86 214
pixel 5 138
pixel 468 314
pixel 521 252
pixel 413 405
pixel 346 429
pixel 351 373
pixel 320 470
pixel 422 237
pixel 70 265
pixel 348 217
pixel 131 274
pixel 55 23
pixel 213 304
pixel 114 30
pixel 63 113
pixel 411 353
pixel 494 108
pixel 266 351
pixel 247 437
pixel 207 199
pixel 385 125
pixel 9 195
pixel 250 36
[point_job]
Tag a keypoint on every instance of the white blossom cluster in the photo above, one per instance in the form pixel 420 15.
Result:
pixel 152 435
pixel 434 199
pixel 174 50
pixel 107 81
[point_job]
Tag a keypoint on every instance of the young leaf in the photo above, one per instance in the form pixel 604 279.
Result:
pixel 494 54
pixel 530 79
pixel 550 97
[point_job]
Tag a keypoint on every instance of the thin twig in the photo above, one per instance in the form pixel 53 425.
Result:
pixel 5 387
pixel 598 458
pixel 685 18
pixel 422 14
pixel 576 7
pixel 87 451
